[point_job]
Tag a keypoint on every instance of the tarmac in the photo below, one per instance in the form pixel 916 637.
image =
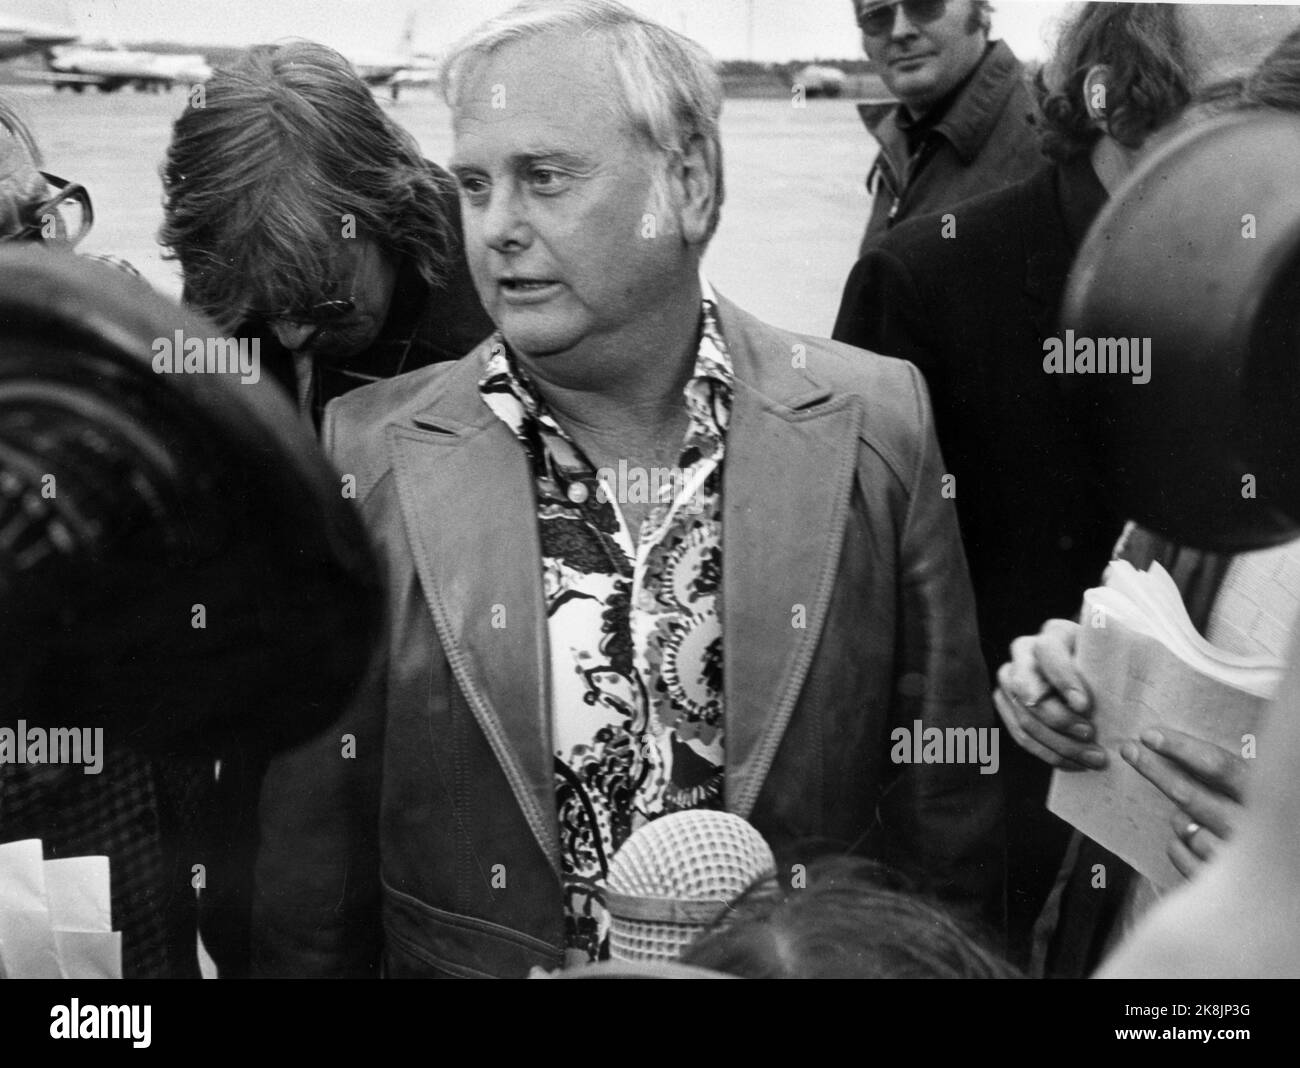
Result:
pixel 794 212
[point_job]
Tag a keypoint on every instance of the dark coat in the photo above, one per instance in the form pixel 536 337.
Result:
pixel 445 824
pixel 972 311
pixel 987 139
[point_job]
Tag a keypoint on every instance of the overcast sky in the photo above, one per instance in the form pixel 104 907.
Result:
pixel 781 29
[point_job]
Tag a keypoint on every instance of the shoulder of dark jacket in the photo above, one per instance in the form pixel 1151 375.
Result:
pixel 979 228
pixel 976 112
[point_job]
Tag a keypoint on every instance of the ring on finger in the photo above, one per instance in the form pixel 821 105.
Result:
pixel 1189 832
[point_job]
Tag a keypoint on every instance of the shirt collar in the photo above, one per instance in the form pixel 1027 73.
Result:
pixel 713 370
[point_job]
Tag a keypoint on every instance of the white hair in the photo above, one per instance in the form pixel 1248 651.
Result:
pixel 669 89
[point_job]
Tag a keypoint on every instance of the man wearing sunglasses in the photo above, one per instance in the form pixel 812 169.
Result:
pixel 964 121
pixel 305 218
pixel 302 215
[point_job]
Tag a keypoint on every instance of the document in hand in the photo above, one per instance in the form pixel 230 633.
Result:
pixel 1147 667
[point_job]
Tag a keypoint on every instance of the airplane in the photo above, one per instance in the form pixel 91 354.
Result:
pixel 22 32
pixel 46 27
pixel 112 68
pixel 403 67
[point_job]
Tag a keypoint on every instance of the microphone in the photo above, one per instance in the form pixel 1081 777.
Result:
pixel 675 876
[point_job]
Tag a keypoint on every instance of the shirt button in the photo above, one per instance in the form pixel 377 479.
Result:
pixel 578 492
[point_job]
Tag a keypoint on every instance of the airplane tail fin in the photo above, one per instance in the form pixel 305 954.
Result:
pixel 406 46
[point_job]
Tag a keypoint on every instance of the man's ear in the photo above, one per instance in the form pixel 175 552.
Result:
pixel 1094 93
pixel 696 174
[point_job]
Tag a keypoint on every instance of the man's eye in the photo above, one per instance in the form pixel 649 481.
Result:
pixel 472 186
pixel 546 180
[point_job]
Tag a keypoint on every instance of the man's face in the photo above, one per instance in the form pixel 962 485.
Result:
pixel 1224 41
pixel 362 276
pixel 555 191
pixel 921 61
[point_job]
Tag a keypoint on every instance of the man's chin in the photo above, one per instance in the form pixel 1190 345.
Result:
pixel 536 348
pixel 916 89
pixel 535 338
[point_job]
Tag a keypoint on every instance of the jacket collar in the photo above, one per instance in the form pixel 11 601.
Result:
pixel 1062 201
pixel 969 120
pixel 468 504
pixel 456 407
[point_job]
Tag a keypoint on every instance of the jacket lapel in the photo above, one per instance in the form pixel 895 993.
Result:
pixel 467 500
pixel 791 455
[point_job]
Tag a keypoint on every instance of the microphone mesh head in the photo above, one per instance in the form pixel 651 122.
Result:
pixel 675 876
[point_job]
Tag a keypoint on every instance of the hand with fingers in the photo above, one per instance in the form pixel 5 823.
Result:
pixel 1044 702
pixel 1205 781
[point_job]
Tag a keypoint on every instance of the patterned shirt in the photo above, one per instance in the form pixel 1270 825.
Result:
pixel 635 628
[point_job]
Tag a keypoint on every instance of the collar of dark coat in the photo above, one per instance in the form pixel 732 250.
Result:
pixel 458 406
pixel 971 118
pixel 1062 200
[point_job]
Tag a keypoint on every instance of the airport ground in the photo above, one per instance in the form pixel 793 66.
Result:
pixel 794 213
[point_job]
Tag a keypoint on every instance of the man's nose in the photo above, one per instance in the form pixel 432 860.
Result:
pixel 294 336
pixel 505 226
pixel 903 27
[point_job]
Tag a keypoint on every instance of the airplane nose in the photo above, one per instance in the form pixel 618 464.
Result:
pixel 294 336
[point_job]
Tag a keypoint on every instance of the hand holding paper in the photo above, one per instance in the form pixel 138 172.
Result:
pixel 1205 783
pixel 1148 669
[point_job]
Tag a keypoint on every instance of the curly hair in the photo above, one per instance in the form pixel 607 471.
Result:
pixel 265 170
pixel 1151 76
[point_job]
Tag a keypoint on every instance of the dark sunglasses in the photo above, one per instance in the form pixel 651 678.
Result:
pixel 876 20
pixel 64 216
pixel 322 314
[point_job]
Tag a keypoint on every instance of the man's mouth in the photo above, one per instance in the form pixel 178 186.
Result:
pixel 516 289
pixel 901 60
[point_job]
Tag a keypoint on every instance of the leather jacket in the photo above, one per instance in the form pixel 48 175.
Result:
pixel 437 845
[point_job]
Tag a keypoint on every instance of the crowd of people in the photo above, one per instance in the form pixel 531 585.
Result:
pixel 886 531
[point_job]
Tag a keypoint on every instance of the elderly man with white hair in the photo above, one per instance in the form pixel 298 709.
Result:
pixel 644 553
